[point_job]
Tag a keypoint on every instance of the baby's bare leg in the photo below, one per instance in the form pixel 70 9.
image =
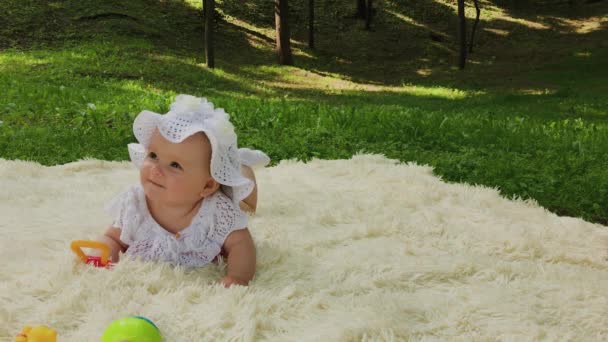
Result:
pixel 250 202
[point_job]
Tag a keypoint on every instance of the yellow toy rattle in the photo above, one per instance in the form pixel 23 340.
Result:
pixel 97 261
pixel 36 334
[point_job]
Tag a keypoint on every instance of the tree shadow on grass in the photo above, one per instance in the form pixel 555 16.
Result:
pixel 416 42
pixel 409 44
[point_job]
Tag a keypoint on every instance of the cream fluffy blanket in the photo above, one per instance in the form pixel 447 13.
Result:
pixel 361 249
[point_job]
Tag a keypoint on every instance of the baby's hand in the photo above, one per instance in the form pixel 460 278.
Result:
pixel 228 281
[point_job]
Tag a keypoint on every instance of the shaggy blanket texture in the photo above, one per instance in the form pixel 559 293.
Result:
pixel 361 249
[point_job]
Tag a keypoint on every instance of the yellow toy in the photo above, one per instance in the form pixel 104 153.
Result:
pixel 37 334
pixel 97 261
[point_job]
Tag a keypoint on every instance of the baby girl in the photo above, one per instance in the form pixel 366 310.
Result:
pixel 194 188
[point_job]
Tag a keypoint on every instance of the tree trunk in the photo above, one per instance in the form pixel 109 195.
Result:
pixel 368 15
pixel 477 11
pixel 462 34
pixel 361 12
pixel 311 24
pixel 282 27
pixel 209 10
pixel 203 8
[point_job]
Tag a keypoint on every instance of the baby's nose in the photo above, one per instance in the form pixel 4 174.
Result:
pixel 156 171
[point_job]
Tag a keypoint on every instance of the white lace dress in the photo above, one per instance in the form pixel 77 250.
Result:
pixel 195 246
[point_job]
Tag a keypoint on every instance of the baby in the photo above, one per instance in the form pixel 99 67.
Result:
pixel 194 188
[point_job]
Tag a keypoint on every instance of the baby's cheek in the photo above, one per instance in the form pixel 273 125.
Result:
pixel 177 185
pixel 143 172
pixel 188 187
pixel 146 168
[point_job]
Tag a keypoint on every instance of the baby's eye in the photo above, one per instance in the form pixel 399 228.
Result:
pixel 152 155
pixel 176 165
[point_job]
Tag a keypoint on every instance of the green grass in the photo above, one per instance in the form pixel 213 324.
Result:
pixel 534 131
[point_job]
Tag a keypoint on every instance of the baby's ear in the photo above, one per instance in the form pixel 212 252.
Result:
pixel 210 187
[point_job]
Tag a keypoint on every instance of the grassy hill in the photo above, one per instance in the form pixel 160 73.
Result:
pixel 527 115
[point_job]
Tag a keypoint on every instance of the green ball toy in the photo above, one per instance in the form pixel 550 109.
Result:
pixel 131 329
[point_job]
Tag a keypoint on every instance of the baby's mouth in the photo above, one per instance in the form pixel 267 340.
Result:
pixel 154 183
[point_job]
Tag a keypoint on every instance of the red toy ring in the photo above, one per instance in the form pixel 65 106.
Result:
pixel 97 261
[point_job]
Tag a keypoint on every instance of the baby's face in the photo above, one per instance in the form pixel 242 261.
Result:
pixel 175 174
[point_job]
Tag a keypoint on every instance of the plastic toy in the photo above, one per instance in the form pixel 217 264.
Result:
pixel 36 334
pixel 97 261
pixel 132 329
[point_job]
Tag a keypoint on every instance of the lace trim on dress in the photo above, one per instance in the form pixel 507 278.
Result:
pixel 195 246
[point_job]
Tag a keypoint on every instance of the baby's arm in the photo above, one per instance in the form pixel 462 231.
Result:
pixel 241 259
pixel 112 238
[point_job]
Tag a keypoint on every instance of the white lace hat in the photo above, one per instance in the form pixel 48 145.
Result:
pixel 187 116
